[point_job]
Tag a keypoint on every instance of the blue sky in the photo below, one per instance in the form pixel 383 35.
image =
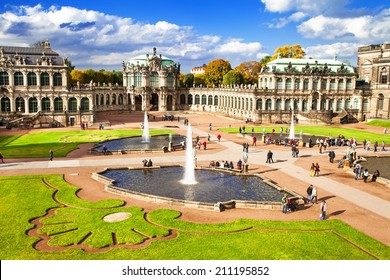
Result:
pixel 102 34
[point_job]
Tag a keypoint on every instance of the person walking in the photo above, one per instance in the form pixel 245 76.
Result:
pixel 314 195
pixel 358 171
pixel 317 170
pixel 365 175
pixel 284 204
pixel 383 146
pixel 269 157
pixel 324 208
pixel 219 137
pixel 312 170
pixel 254 140
pixel 309 192
pixel 332 155
pixel 376 146
pixel 51 155
pixel 1 158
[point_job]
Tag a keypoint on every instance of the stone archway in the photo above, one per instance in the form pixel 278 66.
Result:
pixel 154 102
pixel 138 102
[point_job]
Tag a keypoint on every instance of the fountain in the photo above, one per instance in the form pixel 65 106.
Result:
pixel 189 170
pixel 292 130
pixel 145 133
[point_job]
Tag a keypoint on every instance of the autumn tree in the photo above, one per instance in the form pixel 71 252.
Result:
pixel 250 71
pixel 287 51
pixel 233 77
pixel 199 79
pixel 77 76
pixel 265 60
pixel 188 80
pixel 215 71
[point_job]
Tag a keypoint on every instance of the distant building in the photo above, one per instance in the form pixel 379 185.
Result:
pixel 199 69
pixel 374 74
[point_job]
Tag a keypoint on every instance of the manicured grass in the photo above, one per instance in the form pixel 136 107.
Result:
pixel 37 145
pixel 360 135
pixel 75 221
pixel 382 123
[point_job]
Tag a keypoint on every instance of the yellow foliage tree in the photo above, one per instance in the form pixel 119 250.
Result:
pixel 287 51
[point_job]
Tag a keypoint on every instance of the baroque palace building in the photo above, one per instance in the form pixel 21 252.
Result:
pixel 34 87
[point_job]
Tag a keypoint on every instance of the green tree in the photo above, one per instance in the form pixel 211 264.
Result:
pixel 89 75
pixel 188 80
pixel 287 51
pixel 233 77
pixel 117 77
pixel 265 60
pixel 250 71
pixel 199 79
pixel 215 71
pixel 76 76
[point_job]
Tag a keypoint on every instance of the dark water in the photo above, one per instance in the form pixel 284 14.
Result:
pixel 135 143
pixel 211 187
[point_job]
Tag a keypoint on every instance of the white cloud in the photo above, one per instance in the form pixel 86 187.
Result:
pixel 278 6
pixel 364 28
pixel 342 50
pixel 92 39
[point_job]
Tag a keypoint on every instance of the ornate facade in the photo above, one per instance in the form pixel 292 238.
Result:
pixel 34 81
pixel 151 82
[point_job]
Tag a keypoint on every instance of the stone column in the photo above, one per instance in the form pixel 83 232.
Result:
pixel 27 111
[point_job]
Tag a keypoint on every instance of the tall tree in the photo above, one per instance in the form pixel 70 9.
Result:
pixel 233 77
pixel 265 60
pixel 215 71
pixel 250 71
pixel 287 51
pixel 77 76
pixel 188 80
pixel 199 79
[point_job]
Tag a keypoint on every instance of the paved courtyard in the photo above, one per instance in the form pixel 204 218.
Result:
pixel 363 206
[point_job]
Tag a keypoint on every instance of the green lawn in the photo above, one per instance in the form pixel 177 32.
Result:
pixel 79 223
pixel 37 145
pixel 360 135
pixel 382 123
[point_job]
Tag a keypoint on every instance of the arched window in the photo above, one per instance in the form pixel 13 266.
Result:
pixel 120 99
pixel 216 100
pixel 288 83
pixel 19 102
pixel 138 79
pixel 259 104
pixel 197 99
pixel 323 105
pixel 107 99
pixel 204 99
pixel 154 80
pixel 84 104
pixel 332 84
pixel 296 104
pixel 323 84
pixel 365 104
pixel 381 99
pixel 182 99
pixel 356 103
pixel 45 104
pixel 383 77
pixel 170 80
pixel 32 105
pixel 18 79
pixel 306 84
pixel 347 104
pixel 279 83
pixel 190 101
pixel 210 100
pixel 339 105
pixel 102 99
pixel 349 83
pixel 315 84
pixel 58 104
pixel 287 104
pixel 57 79
pixel 268 104
pixel 341 84
pixel 45 79
pixel 72 104
pixel 304 105
pixel 5 105
pixel 297 83
pixel 113 99
pixel 4 79
pixel 278 104
pixel 31 79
